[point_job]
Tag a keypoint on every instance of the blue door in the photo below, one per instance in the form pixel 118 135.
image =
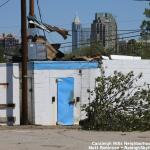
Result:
pixel 65 97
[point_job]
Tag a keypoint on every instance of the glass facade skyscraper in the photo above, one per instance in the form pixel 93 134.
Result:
pixel 76 33
pixel 80 35
pixel 85 37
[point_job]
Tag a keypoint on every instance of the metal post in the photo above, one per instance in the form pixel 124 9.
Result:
pixel 24 119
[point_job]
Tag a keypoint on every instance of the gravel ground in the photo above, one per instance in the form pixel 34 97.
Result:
pixel 51 138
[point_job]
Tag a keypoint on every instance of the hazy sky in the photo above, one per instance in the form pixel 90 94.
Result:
pixel 128 13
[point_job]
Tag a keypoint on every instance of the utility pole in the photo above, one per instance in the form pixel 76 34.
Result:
pixel 31 13
pixel 31 7
pixel 24 119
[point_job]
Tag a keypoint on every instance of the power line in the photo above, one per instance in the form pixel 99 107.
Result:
pixel 39 10
pixel 120 34
pixel 107 37
pixel 110 30
pixel 4 3
pixel 100 41
pixel 113 30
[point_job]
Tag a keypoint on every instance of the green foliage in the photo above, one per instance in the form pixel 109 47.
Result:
pixel 94 49
pixel 118 104
pixel 146 24
pixel 2 60
pixel 145 27
pixel 134 48
pixel 142 48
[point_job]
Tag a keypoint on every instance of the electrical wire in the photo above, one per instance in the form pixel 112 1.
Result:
pixel 4 3
pixel 120 30
pixel 80 42
pixel 107 36
pixel 130 31
pixel 40 15
pixel 100 41
pixel 110 30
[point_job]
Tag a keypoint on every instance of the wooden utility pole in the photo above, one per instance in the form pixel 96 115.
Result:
pixel 31 8
pixel 24 119
pixel 31 12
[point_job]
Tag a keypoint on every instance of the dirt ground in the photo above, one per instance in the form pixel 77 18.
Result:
pixel 67 139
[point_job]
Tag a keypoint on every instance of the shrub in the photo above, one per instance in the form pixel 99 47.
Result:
pixel 119 104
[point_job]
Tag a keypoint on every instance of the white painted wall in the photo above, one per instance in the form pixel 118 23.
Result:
pixel 30 94
pixel 10 94
pixel 45 87
pixel 125 66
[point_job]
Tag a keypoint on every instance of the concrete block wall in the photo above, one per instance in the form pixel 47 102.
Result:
pixel 9 94
pixel 45 87
pixel 125 66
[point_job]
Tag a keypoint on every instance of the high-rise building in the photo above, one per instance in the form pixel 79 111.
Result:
pixel 85 37
pixel 104 30
pixel 80 35
pixel 76 33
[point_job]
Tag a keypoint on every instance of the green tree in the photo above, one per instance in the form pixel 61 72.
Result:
pixel 146 25
pixel 2 55
pixel 118 104
pixel 94 49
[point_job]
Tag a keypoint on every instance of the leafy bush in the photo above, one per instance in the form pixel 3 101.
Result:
pixel 119 104
pixel 2 55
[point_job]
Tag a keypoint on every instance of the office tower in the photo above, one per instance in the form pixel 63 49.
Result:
pixel 104 30
pixel 85 37
pixel 80 35
pixel 76 33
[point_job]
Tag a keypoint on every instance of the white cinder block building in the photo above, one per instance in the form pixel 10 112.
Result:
pixel 9 94
pixel 58 89
pixel 125 66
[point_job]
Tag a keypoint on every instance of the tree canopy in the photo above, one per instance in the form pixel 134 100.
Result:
pixel 146 24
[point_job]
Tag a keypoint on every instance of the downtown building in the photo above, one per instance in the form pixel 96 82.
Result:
pixel 80 35
pixel 8 41
pixel 104 30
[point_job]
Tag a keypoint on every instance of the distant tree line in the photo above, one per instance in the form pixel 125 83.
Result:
pixel 131 48
pixel 134 48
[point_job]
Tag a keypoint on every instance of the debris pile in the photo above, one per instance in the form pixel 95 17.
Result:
pixel 39 47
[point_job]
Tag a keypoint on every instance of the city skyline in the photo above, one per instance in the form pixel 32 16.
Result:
pixel 103 30
pixel 128 15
